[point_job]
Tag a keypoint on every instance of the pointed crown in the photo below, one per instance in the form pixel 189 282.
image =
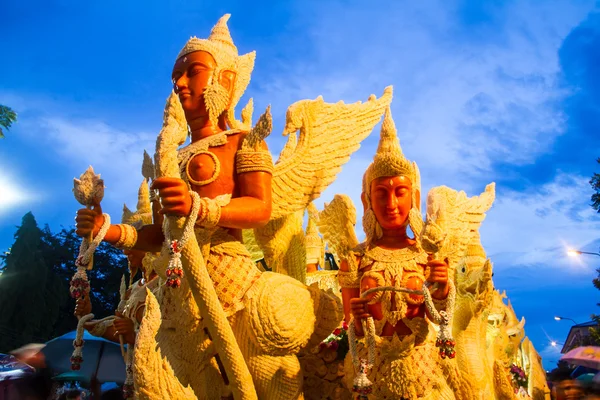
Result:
pixel 220 45
pixel 143 215
pixel 389 159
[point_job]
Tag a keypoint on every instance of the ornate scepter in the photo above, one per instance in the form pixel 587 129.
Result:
pixel 88 191
pixel 433 241
pixel 180 239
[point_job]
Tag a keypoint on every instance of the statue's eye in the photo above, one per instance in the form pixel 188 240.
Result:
pixel 464 269
pixel 380 193
pixel 196 69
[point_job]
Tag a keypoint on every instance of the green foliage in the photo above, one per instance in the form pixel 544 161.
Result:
pixel 595 182
pixel 7 117
pixel 35 305
pixel 22 288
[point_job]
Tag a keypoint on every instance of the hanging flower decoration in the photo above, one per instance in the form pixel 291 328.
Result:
pixel 519 378
pixel 337 341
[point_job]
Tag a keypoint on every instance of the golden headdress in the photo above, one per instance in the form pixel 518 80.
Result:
pixel 143 215
pixel 220 45
pixel 390 161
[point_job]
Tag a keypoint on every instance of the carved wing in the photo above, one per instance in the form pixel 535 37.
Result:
pixel 328 135
pixel 261 130
pixel 336 223
pixel 453 219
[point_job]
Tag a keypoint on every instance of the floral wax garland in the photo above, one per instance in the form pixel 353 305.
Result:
pixel 362 385
pixel 519 378
pixel 174 270
pixel 80 287
pixel 337 341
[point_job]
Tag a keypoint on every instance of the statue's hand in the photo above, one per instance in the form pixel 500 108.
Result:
pixel 174 196
pixel 124 327
pixel 438 273
pixel 83 306
pixel 359 308
pixel 89 221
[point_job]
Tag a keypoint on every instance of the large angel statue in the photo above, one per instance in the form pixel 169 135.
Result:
pixel 401 359
pixel 219 326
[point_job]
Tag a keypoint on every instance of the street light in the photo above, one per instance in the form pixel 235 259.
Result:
pixel 577 253
pixel 570 319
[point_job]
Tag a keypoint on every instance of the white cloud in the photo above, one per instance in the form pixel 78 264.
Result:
pixel 73 144
pixel 537 227
pixel 462 102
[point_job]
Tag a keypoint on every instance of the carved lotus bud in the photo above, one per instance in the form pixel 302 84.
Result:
pixel 89 188
pixel 432 237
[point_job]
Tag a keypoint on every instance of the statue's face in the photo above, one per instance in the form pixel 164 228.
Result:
pixel 391 201
pixel 192 74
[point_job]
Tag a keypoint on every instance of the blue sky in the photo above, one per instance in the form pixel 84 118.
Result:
pixel 483 91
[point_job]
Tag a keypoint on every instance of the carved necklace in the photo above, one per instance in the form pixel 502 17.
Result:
pixel 395 268
pixel 185 155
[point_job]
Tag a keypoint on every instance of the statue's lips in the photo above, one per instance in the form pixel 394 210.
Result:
pixel 184 95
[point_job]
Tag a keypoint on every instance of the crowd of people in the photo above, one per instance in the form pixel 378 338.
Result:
pixel 565 386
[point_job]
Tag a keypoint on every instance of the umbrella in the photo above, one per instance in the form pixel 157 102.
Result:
pixel 589 377
pixel 11 368
pixel 102 360
pixel 72 376
pixel 588 356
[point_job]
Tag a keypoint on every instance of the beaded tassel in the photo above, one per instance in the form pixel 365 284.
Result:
pixel 174 270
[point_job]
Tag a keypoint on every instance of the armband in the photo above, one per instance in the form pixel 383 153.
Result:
pixel 210 211
pixel 348 279
pixel 99 328
pixel 127 238
pixel 253 161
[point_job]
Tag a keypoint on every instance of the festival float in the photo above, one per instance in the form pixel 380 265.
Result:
pixel 409 315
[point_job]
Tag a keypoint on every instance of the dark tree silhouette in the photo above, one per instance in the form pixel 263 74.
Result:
pixel 35 305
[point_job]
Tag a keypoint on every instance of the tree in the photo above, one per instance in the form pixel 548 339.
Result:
pixel 35 305
pixel 595 332
pixel 595 182
pixel 7 117
pixel 24 309
pixel 61 251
